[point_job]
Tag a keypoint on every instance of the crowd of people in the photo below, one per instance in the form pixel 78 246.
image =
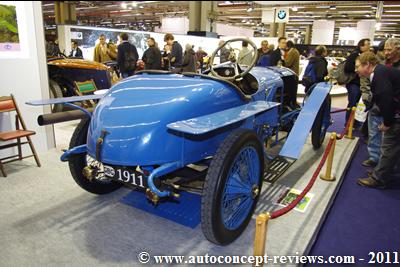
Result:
pixel 375 78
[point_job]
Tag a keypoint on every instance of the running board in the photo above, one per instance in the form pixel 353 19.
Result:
pixel 276 168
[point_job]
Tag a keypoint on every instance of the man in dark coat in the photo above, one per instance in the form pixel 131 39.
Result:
pixel 76 52
pixel 385 88
pixel 127 56
pixel 175 57
pixel 353 87
pixel 278 55
pixel 189 59
pixel 152 56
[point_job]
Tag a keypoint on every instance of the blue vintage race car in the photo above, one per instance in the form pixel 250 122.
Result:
pixel 164 132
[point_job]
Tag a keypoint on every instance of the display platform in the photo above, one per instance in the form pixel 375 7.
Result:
pixel 47 218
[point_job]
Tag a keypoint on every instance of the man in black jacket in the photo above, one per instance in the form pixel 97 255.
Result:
pixel 353 87
pixel 127 56
pixel 76 52
pixel 385 87
pixel 319 65
pixel 175 57
pixel 279 53
pixel 152 56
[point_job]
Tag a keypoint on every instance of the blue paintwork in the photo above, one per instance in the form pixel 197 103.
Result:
pixel 211 122
pixel 63 100
pixel 73 151
pixel 299 133
pixel 162 170
pixel 162 122
pixel 152 101
pixel 237 196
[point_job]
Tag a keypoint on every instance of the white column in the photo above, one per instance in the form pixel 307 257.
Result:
pixel 25 75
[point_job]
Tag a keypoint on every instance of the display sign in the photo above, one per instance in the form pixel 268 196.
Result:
pixel 282 15
pixel 77 35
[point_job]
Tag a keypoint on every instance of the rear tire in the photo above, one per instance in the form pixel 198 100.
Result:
pixel 232 187
pixel 55 92
pixel 320 125
pixel 79 161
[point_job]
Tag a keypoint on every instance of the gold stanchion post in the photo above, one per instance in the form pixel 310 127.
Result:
pixel 350 131
pixel 261 234
pixel 328 172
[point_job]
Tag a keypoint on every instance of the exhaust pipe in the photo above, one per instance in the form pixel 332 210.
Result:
pixel 58 117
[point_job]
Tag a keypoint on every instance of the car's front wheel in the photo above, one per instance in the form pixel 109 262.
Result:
pixel 232 187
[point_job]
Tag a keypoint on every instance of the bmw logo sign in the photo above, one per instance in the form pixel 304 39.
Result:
pixel 281 14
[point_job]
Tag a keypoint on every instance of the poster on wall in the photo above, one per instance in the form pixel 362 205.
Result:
pixel 13 30
pixel 9 38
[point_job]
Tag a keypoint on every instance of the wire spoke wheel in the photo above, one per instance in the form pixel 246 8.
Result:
pixel 232 187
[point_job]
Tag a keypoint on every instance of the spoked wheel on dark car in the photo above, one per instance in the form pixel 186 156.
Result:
pixel 99 184
pixel 55 92
pixel 232 187
pixel 321 123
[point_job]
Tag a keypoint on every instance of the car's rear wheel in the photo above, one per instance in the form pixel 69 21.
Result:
pixel 55 92
pixel 98 185
pixel 321 124
pixel 232 187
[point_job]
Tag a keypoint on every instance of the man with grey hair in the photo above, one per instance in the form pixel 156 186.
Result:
pixel 392 59
pixel 392 52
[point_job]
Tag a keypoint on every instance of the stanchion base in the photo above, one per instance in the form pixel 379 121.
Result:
pixel 328 179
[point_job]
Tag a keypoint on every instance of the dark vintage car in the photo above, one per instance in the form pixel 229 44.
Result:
pixel 64 72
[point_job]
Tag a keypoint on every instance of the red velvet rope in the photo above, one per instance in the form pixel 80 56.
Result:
pixel 346 129
pixel 339 110
pixel 294 203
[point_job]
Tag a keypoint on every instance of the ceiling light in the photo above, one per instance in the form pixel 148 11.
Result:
pixel 141 6
pixel 332 7
pixel 124 5
pixel 249 9
pixel 134 4
pixel 244 21
pixel 228 2
pixel 295 8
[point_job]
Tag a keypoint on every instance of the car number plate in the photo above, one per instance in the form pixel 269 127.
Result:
pixel 125 175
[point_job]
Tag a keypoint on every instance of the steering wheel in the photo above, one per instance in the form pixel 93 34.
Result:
pixel 238 75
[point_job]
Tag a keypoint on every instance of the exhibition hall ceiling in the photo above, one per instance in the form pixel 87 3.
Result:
pixel 145 15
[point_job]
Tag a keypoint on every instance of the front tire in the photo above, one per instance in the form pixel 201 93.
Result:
pixel 79 161
pixel 232 187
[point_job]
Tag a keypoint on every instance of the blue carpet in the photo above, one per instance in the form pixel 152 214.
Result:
pixel 361 220
pixel 184 211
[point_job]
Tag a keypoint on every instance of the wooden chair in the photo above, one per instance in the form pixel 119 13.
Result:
pixel 84 88
pixel 8 104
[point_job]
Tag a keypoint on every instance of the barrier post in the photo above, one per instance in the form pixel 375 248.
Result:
pixel 328 172
pixel 350 131
pixel 261 234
